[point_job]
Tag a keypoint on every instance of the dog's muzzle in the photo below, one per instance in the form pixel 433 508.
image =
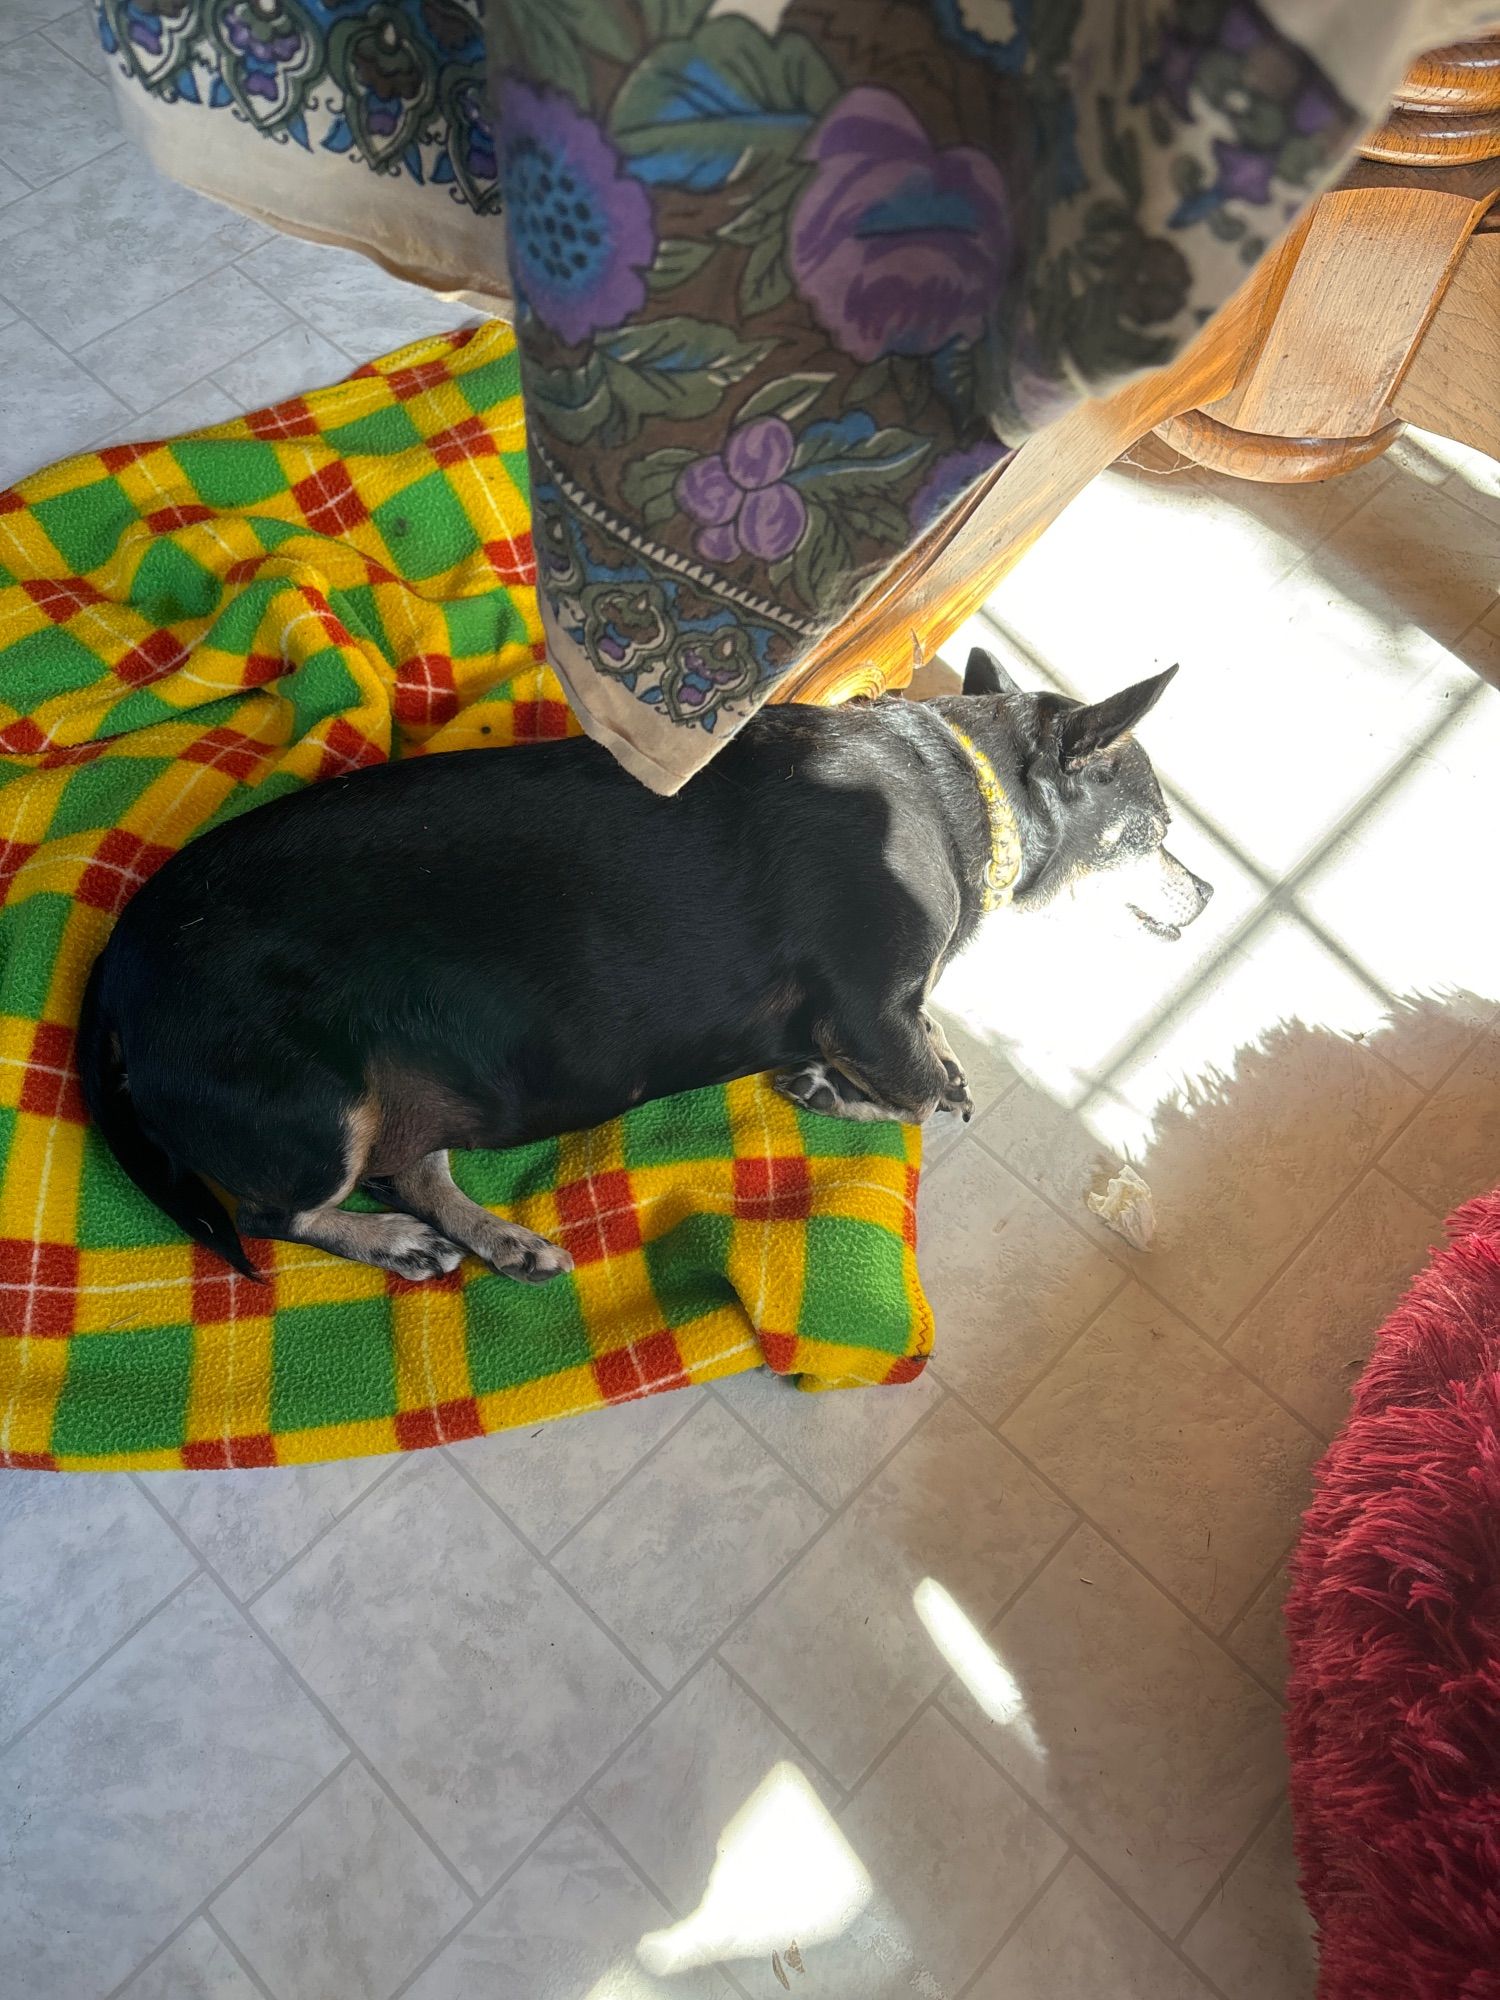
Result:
pixel 1175 898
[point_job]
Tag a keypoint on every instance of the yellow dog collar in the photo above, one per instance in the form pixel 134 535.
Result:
pixel 1004 864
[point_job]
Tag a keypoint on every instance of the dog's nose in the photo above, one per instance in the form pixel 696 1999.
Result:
pixel 1205 889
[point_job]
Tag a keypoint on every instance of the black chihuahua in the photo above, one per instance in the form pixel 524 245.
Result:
pixel 332 990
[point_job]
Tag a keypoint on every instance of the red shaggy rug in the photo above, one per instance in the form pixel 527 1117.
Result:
pixel 1394 1622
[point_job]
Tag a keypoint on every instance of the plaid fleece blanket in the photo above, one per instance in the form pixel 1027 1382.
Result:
pixel 186 630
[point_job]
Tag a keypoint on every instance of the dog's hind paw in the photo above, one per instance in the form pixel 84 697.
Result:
pixel 531 1260
pixel 412 1250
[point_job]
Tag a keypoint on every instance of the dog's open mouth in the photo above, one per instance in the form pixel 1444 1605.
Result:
pixel 1170 932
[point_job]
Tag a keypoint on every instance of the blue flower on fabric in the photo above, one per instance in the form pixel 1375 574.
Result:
pixel 581 231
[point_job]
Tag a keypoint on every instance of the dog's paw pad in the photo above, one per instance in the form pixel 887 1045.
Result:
pixel 534 1264
pixel 811 1088
pixel 419 1252
pixel 956 1099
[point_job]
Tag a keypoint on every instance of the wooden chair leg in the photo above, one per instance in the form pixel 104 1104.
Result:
pixel 1323 386
pixel 1451 385
pixel 1286 461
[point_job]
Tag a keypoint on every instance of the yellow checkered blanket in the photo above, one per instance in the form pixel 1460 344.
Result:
pixel 186 630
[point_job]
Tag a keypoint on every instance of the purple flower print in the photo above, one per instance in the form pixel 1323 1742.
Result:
pixel 1241 31
pixel 739 497
pixel 1285 115
pixel 899 246
pixel 1244 173
pixel 581 231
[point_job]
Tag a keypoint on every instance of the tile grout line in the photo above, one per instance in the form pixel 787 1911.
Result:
pixel 825 1527
pixel 1129 1274
pixel 294 317
pixel 657 1687
pixel 575 1803
pixel 1278 1695
pixel 1427 1208
pixel 933 1699
pixel 108 1654
pixel 1222 1879
pixel 38 33
pixel 825 1506
pixel 755 1602
pixel 839 1790
pixel 1044 1813
pixel 1480 504
pixel 959 1720
pixel 546 1555
pixel 1206 1979
pixel 607 1834
pixel 187 388
pixel 1375 1163
pixel 344 1735
pixel 327 1529
pixel 1068 1854
pixel 578 1799
pixel 1087 1520
pixel 371 1769
pixel 201 1910
pixel 637 1869
pixel 238 1956
pixel 1090 1322
pixel 43 32
pixel 713 1651
pixel 1219 1346
pixel 1380 1163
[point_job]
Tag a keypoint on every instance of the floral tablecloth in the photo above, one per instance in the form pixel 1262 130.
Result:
pixel 788 275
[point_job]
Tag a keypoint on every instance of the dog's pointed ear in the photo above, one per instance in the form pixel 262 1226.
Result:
pixel 1083 732
pixel 985 675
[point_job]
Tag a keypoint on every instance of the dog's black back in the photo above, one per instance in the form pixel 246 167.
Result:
pixel 543 937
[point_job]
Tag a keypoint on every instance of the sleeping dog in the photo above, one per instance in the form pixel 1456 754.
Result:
pixel 331 991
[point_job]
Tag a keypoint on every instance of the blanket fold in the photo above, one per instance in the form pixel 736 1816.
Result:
pixel 188 629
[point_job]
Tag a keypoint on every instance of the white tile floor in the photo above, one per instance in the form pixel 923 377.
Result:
pixel 963 1689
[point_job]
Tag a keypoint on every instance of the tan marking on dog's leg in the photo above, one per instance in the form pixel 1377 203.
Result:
pixel 361 1125
pixel 429 1190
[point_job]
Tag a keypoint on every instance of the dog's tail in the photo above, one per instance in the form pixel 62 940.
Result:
pixel 189 1202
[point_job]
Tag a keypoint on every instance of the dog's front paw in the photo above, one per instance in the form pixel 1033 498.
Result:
pixel 955 1097
pixel 813 1088
pixel 816 1087
pixel 413 1250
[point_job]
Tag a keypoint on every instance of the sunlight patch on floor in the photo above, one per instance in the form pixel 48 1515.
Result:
pixel 783 1872
pixel 977 1664
pixel 1309 803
